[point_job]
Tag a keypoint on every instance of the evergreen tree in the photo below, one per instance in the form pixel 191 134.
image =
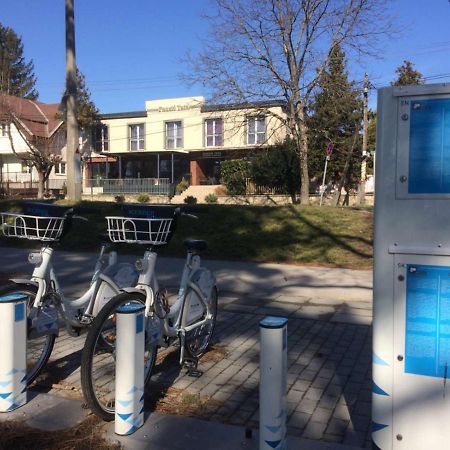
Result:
pixel 335 117
pixel 16 75
pixel 87 113
pixel 407 75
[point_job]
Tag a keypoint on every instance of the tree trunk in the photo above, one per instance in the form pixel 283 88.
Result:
pixel 345 173
pixel 41 182
pixel 304 173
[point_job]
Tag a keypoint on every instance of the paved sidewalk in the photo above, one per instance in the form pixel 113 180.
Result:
pixel 329 348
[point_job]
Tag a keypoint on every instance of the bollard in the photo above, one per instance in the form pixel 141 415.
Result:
pixel 273 383
pixel 13 361
pixel 130 343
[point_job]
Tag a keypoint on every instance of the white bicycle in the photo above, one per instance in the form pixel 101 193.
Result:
pixel 190 320
pixel 49 223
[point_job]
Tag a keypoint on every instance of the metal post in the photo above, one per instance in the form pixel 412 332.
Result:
pixel 273 383
pixel 130 343
pixel 322 187
pixel 172 168
pixel 13 361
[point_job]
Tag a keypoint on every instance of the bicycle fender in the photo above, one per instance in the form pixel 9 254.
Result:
pixel 131 290
pixel 24 281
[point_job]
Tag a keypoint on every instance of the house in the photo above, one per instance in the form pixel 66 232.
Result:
pixel 179 137
pixel 34 120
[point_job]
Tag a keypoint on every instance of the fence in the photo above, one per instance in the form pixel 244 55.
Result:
pixel 156 186
pixel 255 189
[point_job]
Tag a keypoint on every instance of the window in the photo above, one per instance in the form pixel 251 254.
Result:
pixel 60 168
pixel 101 139
pixel 213 132
pixel 256 130
pixel 26 166
pixel 137 138
pixel 174 135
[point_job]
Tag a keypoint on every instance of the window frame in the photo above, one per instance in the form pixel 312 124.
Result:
pixel 255 118
pixel 140 139
pixel 101 144
pixel 59 166
pixel 214 135
pixel 176 137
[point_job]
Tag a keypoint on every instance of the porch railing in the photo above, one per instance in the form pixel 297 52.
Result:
pixel 128 185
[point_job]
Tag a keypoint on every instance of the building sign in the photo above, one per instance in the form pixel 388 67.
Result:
pixel 173 108
pixel 212 154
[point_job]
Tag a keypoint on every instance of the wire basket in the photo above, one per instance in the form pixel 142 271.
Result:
pixel 35 228
pixel 135 230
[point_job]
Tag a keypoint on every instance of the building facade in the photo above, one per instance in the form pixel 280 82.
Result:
pixel 182 137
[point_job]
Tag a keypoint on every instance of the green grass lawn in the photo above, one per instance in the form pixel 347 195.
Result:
pixel 326 236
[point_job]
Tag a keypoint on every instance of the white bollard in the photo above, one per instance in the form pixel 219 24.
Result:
pixel 130 344
pixel 273 383
pixel 13 360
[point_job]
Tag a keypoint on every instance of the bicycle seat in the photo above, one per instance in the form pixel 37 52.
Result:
pixel 195 245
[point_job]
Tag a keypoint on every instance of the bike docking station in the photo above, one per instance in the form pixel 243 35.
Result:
pixel 13 360
pixel 130 344
pixel 411 322
pixel 273 383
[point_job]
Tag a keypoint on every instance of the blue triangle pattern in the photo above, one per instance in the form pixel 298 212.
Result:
pixel 377 360
pixel 124 402
pixel 132 430
pixel 124 416
pixel 377 426
pixel 24 379
pixel 377 390
pixel 273 444
pixel 141 411
pixel 273 429
pixel 142 398
pixel 5 395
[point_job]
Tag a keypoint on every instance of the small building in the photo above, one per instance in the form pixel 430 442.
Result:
pixel 181 137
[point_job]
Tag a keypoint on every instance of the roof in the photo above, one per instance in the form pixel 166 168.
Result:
pixel 39 119
pixel 124 115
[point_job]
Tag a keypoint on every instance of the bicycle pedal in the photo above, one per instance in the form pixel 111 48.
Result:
pixel 86 319
pixel 191 366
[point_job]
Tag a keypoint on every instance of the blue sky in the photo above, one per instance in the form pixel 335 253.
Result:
pixel 130 51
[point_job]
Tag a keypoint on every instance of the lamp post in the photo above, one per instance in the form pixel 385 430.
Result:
pixel 322 188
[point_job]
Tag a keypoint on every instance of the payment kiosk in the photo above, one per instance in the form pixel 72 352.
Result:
pixel 411 327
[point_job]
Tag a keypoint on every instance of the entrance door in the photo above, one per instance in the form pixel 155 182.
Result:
pixel 421 389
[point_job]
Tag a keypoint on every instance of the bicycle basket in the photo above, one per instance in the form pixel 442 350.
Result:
pixel 35 228
pixel 136 230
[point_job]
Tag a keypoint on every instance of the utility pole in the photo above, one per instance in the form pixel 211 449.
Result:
pixel 72 154
pixel 362 184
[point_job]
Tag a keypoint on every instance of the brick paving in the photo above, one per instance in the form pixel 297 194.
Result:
pixel 329 367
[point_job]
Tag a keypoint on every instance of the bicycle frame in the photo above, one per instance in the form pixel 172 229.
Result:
pixel 175 322
pixel 44 277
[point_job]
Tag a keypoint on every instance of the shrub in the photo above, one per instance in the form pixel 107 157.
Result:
pixel 278 167
pixel 190 200
pixel 119 198
pixel 220 190
pixel 143 198
pixel 182 185
pixel 234 174
pixel 211 198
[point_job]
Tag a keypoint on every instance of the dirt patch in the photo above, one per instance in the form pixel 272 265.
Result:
pixel 84 436
pixel 179 402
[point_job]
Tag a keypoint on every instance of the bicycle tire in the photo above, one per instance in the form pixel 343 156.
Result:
pixel 99 357
pixel 38 349
pixel 193 347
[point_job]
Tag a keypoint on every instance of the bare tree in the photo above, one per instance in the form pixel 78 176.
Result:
pixel 271 49
pixel 42 152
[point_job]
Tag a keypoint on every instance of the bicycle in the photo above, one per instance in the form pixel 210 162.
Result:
pixel 48 224
pixel 189 321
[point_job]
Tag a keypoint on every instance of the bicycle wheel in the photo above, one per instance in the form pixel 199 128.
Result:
pixel 39 348
pixel 98 360
pixel 198 340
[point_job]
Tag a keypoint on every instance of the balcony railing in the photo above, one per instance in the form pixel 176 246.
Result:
pixel 157 186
